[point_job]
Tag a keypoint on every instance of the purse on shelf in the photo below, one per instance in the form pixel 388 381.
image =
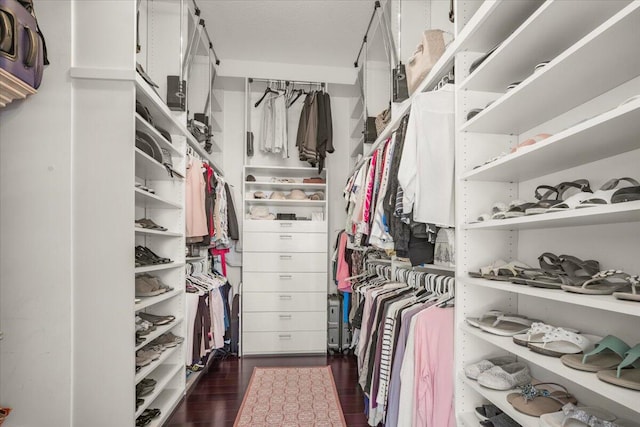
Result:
pixel 23 52
pixel 370 132
pixel 427 53
pixel 149 146
pixel 382 120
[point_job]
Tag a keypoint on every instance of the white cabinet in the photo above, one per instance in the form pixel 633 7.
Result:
pixel 284 294
pixel 578 97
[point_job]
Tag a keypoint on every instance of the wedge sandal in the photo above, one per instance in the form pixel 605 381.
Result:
pixel 536 400
pixel 608 353
pixel 601 283
pixel 627 378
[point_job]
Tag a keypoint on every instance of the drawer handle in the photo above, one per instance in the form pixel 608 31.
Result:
pixel 285 297
pixel 286 224
pixel 285 257
pixel 286 277
pixel 285 336
pixel 286 236
pixel 285 316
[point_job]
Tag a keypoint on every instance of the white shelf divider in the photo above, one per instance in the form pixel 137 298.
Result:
pixel 148 168
pixel 158 267
pixel 606 214
pixel 600 302
pixel 565 82
pixel 588 380
pixel 149 301
pixel 148 200
pixel 151 232
pixel 580 144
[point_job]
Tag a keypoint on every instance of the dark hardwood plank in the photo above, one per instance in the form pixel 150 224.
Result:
pixel 217 397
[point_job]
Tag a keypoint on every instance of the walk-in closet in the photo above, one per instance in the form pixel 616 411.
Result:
pixel 396 213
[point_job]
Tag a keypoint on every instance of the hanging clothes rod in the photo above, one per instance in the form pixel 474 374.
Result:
pixel 206 33
pixel 293 82
pixel 376 5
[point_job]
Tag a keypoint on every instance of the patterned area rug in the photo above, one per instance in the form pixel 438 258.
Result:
pixel 291 397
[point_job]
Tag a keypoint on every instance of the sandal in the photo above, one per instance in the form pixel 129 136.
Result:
pixel 505 377
pixel 487 318
pixel 573 416
pixel 559 342
pixel 507 325
pixel 536 333
pixel 546 203
pixel 627 194
pixel 500 420
pixel 603 196
pixel 634 281
pixel 485 412
pixel 536 401
pixel 607 354
pixel 475 369
pixel 598 285
pixel 485 270
pixel 628 378
pixel 506 272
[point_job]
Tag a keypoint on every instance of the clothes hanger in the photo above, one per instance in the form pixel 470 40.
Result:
pixel 266 92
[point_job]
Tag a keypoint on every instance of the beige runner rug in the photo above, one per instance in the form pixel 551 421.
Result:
pixel 291 397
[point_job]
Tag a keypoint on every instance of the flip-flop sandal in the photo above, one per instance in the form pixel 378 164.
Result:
pixel 628 378
pixel 607 354
pixel 507 325
pixel 560 342
pixel 500 420
pixel 506 272
pixel 489 316
pixel 518 211
pixel 634 281
pixel 485 412
pixel 485 270
pixel 574 416
pixel 603 196
pixel 536 333
pixel 628 194
pixel 599 285
pixel 536 401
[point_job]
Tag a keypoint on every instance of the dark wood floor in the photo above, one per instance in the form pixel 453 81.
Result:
pixel 217 397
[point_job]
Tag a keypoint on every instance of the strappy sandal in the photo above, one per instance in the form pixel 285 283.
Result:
pixel 506 272
pixel 536 401
pixel 600 285
pixel 536 333
pixel 488 317
pixel 608 353
pixel 634 281
pixel 545 203
pixel 559 342
pixel 628 378
pixel 566 270
pixel 485 270
pixel 603 196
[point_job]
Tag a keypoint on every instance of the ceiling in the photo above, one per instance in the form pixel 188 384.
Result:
pixel 309 32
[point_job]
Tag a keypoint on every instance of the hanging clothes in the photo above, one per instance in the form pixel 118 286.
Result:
pixel 315 129
pixel 273 135
pixel 196 219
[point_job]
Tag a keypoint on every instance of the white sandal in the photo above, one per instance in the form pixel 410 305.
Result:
pixel 560 342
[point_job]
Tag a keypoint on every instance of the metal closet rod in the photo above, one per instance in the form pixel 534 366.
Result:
pixel 201 22
pixel 376 5
pixel 295 82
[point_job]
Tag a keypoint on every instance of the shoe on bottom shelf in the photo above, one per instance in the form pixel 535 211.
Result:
pixel 487 411
pixel 500 420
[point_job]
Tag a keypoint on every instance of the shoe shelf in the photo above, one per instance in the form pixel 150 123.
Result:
pixel 152 201
pixel 149 301
pixel 158 331
pixel 588 380
pixel 151 367
pixel 578 145
pixel 12 88
pixel 145 126
pixel 566 82
pixel 499 398
pixel 285 202
pixel 163 374
pixel 158 267
pixel 151 232
pixel 149 168
pixel 275 186
pixel 546 33
pixel 166 402
pixel 195 258
pixel 607 214
pixel 600 302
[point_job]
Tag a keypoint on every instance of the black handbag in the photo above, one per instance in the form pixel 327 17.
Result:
pixel 370 132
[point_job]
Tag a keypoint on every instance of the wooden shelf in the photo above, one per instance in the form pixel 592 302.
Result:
pixel 146 302
pixel 542 37
pixel 151 201
pixel 608 134
pixel 589 380
pixel 607 214
pixel 600 302
pixel 12 88
pixel 566 82
pixel 158 267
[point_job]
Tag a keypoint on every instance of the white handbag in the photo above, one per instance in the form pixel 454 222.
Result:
pixel 427 53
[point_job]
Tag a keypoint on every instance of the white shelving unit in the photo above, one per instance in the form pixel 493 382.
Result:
pixel 578 98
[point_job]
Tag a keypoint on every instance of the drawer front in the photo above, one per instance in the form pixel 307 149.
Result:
pixel 284 321
pixel 284 262
pixel 284 282
pixel 286 226
pixel 284 342
pixel 285 242
pixel 284 301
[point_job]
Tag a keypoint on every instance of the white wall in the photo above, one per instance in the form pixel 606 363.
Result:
pixel 35 244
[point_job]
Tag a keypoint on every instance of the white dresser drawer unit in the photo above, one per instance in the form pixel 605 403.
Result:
pixel 284 282
pixel 285 321
pixel 284 262
pixel 285 242
pixel 284 301
pixel 284 342
pixel 285 226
